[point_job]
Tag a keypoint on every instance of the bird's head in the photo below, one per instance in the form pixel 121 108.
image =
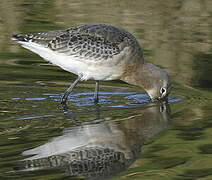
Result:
pixel 157 83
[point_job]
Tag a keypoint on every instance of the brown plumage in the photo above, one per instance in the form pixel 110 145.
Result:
pixel 98 52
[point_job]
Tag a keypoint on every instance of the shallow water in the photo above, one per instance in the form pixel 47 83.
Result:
pixel 125 136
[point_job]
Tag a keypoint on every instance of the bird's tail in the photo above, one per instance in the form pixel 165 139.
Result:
pixel 20 37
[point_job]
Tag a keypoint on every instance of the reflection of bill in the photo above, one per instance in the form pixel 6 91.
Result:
pixel 97 151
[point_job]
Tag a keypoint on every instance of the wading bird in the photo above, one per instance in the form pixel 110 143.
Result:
pixel 98 52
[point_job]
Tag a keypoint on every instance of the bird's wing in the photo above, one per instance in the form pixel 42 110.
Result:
pixel 88 42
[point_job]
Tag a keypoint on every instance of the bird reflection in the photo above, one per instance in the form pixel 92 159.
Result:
pixel 99 150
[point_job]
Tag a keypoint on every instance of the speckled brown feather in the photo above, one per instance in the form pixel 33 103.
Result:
pixel 97 42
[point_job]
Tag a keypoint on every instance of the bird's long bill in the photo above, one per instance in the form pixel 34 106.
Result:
pixel 159 99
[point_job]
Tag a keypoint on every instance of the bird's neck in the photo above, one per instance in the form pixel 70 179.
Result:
pixel 138 73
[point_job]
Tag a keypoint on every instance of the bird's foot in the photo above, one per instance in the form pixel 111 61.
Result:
pixel 96 101
pixel 63 105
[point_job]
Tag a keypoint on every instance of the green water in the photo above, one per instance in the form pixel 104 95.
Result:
pixel 125 137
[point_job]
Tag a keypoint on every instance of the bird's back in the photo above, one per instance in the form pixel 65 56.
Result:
pixel 95 51
pixel 93 41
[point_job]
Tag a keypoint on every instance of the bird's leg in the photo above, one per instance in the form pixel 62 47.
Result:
pixel 69 90
pixel 96 95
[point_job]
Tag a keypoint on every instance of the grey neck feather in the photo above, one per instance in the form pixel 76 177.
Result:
pixel 141 74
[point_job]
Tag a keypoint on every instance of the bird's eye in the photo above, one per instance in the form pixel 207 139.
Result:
pixel 163 91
